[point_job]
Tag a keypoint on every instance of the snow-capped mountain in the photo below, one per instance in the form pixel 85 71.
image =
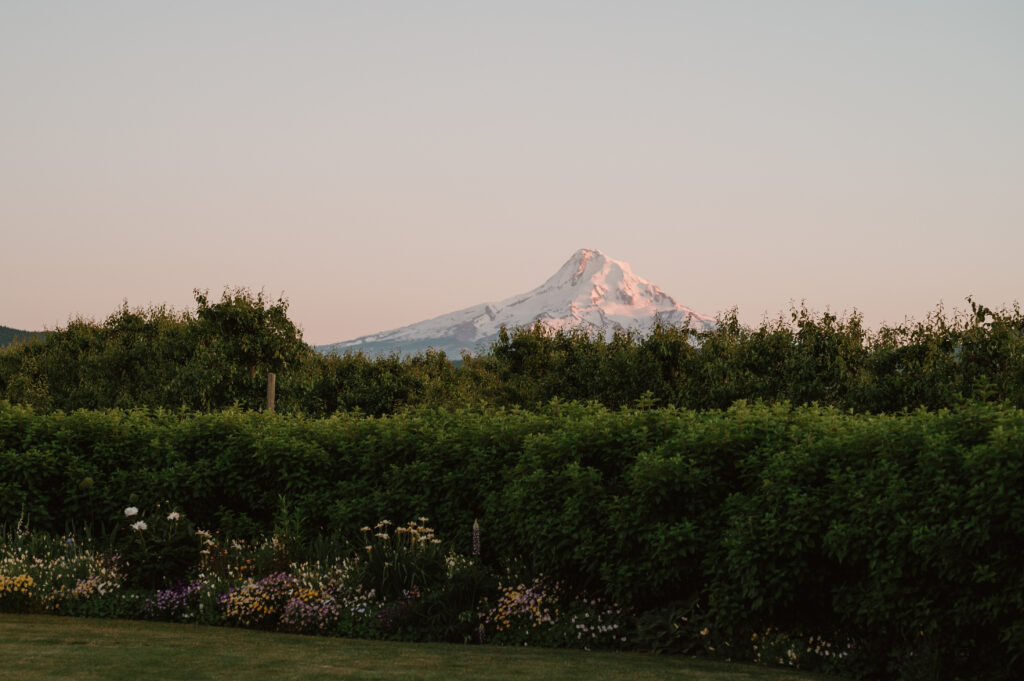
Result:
pixel 591 291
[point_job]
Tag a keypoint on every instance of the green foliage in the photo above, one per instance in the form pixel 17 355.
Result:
pixel 398 561
pixel 449 611
pixel 900 534
pixel 123 604
pixel 158 547
pixel 678 627
pixel 9 336
pixel 889 531
pixel 158 358
pixel 217 357
pixel 377 386
pixel 809 358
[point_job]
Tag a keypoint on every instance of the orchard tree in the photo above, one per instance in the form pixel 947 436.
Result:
pixel 237 341
pixel 252 333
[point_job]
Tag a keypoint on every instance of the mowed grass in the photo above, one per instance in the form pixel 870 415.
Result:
pixel 37 647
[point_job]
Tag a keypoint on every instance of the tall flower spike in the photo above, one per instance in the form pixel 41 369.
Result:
pixel 476 537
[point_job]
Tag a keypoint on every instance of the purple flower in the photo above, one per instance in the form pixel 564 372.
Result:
pixel 173 602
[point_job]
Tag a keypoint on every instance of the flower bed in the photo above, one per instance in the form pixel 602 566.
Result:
pixel 401 585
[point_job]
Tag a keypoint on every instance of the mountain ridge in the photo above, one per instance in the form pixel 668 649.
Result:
pixel 8 336
pixel 590 291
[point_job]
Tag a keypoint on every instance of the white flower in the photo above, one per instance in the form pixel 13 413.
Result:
pixel 140 526
pixel 173 515
pixel 130 511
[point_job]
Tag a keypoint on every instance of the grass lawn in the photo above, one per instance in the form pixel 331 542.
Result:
pixel 37 647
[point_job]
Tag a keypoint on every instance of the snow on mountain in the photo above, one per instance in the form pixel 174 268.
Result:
pixel 590 290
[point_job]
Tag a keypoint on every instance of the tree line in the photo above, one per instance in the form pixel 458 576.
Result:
pixel 218 356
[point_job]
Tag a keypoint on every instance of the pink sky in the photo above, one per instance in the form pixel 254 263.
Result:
pixel 380 166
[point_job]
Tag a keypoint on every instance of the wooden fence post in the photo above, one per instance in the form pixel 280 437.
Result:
pixel 271 381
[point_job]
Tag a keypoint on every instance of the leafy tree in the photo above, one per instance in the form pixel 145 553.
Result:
pixel 254 333
pixel 237 341
pixel 157 357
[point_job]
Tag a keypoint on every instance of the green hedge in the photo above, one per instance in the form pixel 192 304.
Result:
pixel 900 535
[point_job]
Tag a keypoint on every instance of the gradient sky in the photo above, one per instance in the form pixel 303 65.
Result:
pixel 380 163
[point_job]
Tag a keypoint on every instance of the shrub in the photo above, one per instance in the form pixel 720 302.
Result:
pixel 901 534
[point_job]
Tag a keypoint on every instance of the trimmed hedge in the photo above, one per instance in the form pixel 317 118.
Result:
pixel 900 535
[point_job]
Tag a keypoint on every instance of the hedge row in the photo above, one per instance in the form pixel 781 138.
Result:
pixel 901 536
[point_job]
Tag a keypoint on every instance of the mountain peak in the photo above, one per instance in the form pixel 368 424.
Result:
pixel 590 291
pixel 583 255
pixel 582 266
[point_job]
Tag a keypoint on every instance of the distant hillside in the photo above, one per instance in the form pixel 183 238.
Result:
pixel 9 335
